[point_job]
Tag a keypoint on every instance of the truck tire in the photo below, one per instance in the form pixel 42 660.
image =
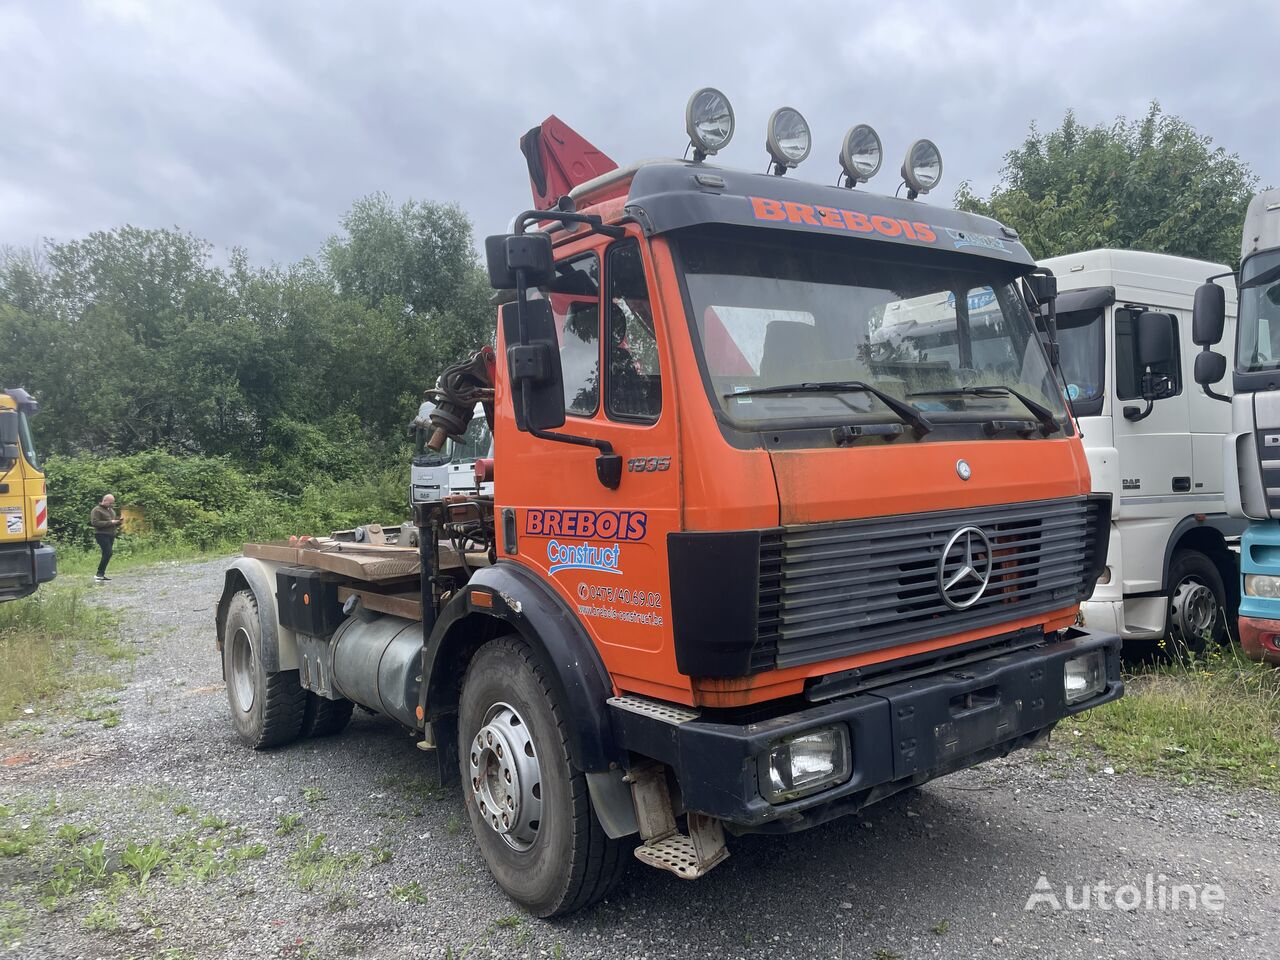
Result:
pixel 1197 605
pixel 323 717
pixel 529 806
pixel 266 709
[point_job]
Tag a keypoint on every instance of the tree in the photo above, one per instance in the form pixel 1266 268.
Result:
pixel 1149 184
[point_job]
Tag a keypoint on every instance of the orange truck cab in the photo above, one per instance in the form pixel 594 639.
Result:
pixel 789 514
pixel 25 562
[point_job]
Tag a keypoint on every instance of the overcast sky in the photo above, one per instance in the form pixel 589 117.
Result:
pixel 256 122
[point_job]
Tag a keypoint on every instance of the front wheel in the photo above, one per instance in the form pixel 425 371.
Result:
pixel 1197 605
pixel 530 808
pixel 266 709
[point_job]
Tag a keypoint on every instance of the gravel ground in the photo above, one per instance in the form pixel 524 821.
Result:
pixel 943 872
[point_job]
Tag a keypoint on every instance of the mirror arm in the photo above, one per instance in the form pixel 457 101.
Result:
pixel 565 218
pixel 1134 414
pixel 608 463
pixel 1213 394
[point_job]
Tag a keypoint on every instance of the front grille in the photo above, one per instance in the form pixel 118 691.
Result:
pixel 832 589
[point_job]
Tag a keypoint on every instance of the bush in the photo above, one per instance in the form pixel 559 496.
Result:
pixel 206 502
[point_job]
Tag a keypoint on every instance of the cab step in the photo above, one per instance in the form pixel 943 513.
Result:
pixel 688 857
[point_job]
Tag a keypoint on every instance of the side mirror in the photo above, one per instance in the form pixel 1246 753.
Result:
pixel 506 254
pixel 533 365
pixel 1210 368
pixel 1208 314
pixel 1043 286
pixel 1155 339
pixel 8 427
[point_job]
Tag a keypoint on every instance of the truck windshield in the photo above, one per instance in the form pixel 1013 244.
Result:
pixel 25 441
pixel 1258 342
pixel 772 313
pixel 1081 350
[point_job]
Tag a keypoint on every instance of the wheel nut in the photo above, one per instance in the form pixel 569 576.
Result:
pixel 507 774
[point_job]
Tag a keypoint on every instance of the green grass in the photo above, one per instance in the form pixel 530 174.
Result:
pixel 135 551
pixel 55 643
pixel 1215 721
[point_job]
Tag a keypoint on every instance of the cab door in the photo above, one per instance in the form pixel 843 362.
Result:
pixel 604 550
pixel 1155 452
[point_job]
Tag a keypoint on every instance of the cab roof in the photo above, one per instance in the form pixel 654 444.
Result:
pixel 666 195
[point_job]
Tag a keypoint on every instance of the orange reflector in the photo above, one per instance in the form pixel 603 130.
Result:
pixel 420 713
pixel 306 599
pixel 481 599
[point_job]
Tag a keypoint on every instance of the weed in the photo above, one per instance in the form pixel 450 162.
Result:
pixel 102 918
pixel 252 851
pixel 380 854
pixel 214 822
pixel 142 860
pixel 288 823
pixel 339 902
pixel 454 825
pixel 13 922
pixel 410 893
pixel 71 834
pixel 312 866
pixel 883 953
pixel 510 921
pixel 941 927
pixel 313 795
pixel 184 810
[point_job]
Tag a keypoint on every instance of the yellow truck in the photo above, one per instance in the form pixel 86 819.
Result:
pixel 25 562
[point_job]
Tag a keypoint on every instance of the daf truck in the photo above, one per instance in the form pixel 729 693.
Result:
pixel 1154 443
pixel 762 549
pixel 1251 451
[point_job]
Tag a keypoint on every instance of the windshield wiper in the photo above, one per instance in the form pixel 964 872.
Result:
pixel 1048 422
pixel 909 414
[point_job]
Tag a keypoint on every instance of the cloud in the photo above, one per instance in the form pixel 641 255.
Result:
pixel 256 125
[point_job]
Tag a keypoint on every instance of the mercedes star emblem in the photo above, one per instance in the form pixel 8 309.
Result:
pixel 964 569
pixel 963 471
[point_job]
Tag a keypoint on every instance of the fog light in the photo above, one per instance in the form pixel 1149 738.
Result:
pixel 1260 585
pixel 1105 576
pixel 804 764
pixel 1084 677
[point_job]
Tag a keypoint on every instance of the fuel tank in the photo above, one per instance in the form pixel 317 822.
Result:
pixel 378 664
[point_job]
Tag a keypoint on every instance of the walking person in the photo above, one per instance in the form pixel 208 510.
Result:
pixel 105 526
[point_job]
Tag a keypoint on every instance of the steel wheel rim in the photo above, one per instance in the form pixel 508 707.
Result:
pixel 506 780
pixel 242 670
pixel 1193 611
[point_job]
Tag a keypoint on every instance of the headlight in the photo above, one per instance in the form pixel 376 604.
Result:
pixel 922 170
pixel 788 140
pixel 804 764
pixel 1084 677
pixel 861 154
pixel 708 119
pixel 1260 585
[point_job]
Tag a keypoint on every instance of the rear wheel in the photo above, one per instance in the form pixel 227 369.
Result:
pixel 530 808
pixel 323 717
pixel 1197 605
pixel 266 709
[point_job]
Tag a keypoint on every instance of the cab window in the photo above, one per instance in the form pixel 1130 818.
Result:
pixel 634 381
pixel 575 303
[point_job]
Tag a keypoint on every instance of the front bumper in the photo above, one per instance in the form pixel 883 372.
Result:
pixel 1260 639
pixel 900 734
pixel 23 567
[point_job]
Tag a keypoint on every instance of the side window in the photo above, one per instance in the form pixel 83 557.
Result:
pixel 1128 373
pixel 634 382
pixel 575 302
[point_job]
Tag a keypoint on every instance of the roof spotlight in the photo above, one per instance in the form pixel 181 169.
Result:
pixel 708 118
pixel 789 140
pixel 922 169
pixel 860 154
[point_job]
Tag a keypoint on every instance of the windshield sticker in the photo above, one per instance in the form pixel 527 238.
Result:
pixel 1073 391
pixel 847 220
pixel 587 524
pixel 965 238
pixel 583 556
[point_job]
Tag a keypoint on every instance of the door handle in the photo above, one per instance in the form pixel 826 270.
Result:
pixel 1181 484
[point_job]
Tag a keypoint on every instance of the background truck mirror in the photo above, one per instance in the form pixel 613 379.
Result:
pixel 1208 315
pixel 509 253
pixel 1155 339
pixel 8 427
pixel 1210 368
pixel 533 366
pixel 8 453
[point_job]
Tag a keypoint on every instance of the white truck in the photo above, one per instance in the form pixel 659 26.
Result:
pixel 452 470
pixel 1153 441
